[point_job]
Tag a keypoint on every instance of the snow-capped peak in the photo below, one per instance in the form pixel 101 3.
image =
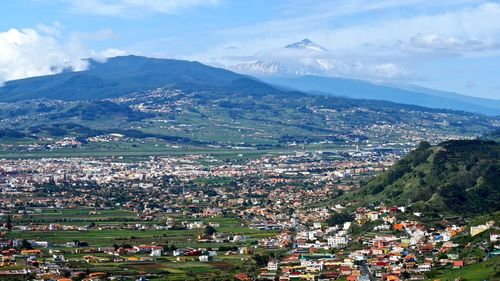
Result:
pixel 306 44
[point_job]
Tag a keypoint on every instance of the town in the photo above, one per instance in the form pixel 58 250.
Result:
pixel 200 217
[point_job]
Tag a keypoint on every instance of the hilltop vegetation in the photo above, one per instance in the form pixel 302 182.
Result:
pixel 460 177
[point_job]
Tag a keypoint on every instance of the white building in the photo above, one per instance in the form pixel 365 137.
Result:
pixel 272 266
pixel 336 241
pixel 156 252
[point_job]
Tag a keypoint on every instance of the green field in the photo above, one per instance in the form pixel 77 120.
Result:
pixel 141 150
pixel 487 270
pixel 160 268
pixel 106 219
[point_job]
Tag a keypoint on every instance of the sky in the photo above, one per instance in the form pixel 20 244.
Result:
pixel 451 45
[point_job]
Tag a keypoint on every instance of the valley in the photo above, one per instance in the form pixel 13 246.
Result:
pixel 199 173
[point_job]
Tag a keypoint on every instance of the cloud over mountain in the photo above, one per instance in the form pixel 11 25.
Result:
pixel 33 52
pixel 308 58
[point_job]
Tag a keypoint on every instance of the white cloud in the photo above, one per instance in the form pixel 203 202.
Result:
pixel 390 46
pixel 30 52
pixel 429 42
pixel 388 71
pixel 284 61
pixel 111 52
pixel 135 7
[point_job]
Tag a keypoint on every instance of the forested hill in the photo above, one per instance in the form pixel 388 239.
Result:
pixel 460 177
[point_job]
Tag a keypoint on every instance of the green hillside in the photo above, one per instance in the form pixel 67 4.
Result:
pixel 188 103
pixel 453 177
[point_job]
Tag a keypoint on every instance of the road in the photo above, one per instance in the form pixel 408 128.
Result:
pixel 366 273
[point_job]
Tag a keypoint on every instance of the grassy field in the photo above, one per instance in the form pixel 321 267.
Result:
pixel 99 238
pixel 115 218
pixel 78 216
pixel 142 149
pixel 169 268
pixel 158 268
pixel 487 270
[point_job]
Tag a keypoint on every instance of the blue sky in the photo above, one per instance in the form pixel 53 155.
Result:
pixel 450 45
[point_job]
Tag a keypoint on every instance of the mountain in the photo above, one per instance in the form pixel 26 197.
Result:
pixel 192 103
pixel 484 102
pixel 306 66
pixel 359 89
pixel 299 58
pixel 120 76
pixel 306 44
pixel 459 177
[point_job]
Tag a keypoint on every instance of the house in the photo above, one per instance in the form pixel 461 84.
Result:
pixel 399 226
pixel 244 251
pixel 94 259
pixel 178 253
pixel 147 248
pixel 314 266
pixel 242 277
pixel 458 264
pixel 495 237
pixel 345 270
pixel 272 265
pixel 373 216
pixel 392 277
pixel 194 225
pixel 424 267
pixel 43 244
pixel 267 276
pixel 97 275
pixel 475 230
pixel 352 278
pixel 205 258
pixel 239 238
pixel 156 252
pixel 36 253
pixel 58 258
pixel 336 241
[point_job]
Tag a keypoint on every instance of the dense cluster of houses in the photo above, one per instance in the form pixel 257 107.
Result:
pixel 282 196
pixel 395 249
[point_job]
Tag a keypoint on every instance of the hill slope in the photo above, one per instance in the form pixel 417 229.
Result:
pixel 188 101
pixel 455 176
pixel 124 75
pixel 359 89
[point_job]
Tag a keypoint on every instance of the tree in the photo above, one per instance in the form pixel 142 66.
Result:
pixel 26 245
pixel 8 222
pixel 261 260
pixel 339 218
pixel 210 230
pixel 405 275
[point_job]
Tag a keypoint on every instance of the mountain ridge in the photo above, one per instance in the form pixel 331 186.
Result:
pixel 197 104
pixel 120 76
pixel 354 88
